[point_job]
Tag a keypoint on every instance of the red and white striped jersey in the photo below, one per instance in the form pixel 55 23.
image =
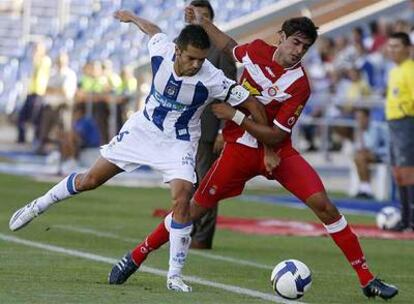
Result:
pixel 282 91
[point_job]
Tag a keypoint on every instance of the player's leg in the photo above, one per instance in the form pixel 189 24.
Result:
pixel 226 178
pixel 204 228
pixel 180 233
pixel 71 185
pixel 309 188
pixel 404 178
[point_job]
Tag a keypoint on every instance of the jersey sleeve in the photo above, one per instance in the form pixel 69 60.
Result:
pixel 288 114
pixel 158 43
pixel 242 50
pixel 227 90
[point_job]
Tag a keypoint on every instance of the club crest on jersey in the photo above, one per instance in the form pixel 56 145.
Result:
pixel 291 121
pixel 212 190
pixel 170 90
pixel 272 91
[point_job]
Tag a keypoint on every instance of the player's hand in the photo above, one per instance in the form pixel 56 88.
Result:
pixel 124 16
pixel 218 144
pixel 271 160
pixel 223 110
pixel 192 16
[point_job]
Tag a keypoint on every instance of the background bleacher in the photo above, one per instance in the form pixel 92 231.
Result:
pixel 86 30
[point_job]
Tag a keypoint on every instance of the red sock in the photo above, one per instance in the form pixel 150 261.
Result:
pixel 158 237
pixel 347 240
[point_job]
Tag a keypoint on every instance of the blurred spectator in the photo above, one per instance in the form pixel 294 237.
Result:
pixel 14 7
pixel 113 97
pixel 58 100
pixel 364 64
pixel 84 134
pixel 92 90
pixel 129 82
pixel 400 116
pixel 371 144
pixel 32 106
pixel 358 88
pixel 378 34
pixel 127 101
pixel 113 81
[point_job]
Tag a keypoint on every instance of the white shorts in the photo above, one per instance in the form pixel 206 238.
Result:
pixel 140 142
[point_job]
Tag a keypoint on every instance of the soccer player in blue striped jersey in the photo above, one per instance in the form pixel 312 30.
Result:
pixel 164 135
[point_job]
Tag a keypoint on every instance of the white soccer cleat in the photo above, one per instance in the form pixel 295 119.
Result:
pixel 176 283
pixel 24 216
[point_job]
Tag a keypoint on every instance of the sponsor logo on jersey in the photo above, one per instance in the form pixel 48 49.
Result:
pixel 299 110
pixel 269 70
pixel 252 90
pixel 169 103
pixel 187 159
pixel 395 91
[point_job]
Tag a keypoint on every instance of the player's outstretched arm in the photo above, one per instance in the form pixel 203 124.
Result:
pixel 144 25
pixel 220 39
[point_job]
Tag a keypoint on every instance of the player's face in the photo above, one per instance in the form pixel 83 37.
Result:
pixel 190 60
pixel 396 50
pixel 291 49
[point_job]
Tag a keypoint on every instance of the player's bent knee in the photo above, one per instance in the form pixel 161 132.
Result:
pixel 324 209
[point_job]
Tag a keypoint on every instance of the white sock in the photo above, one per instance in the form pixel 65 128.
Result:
pixel 180 240
pixel 339 225
pixel 365 187
pixel 64 189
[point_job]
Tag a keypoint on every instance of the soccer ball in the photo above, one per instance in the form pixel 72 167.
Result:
pixel 388 217
pixel 291 279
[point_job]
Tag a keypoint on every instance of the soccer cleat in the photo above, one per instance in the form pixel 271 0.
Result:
pixel 122 270
pixel 176 283
pixel 379 288
pixel 24 216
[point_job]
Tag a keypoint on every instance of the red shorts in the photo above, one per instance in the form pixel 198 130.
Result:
pixel 238 163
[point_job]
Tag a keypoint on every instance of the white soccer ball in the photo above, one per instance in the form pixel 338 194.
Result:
pixel 291 279
pixel 388 217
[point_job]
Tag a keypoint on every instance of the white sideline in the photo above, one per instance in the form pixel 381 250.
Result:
pixel 135 241
pixel 94 257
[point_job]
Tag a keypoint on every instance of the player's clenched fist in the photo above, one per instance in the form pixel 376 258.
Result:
pixel 124 16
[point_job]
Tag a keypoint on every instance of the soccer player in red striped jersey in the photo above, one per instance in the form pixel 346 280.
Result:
pixel 274 75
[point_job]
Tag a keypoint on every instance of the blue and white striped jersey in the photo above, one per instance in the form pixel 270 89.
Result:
pixel 175 103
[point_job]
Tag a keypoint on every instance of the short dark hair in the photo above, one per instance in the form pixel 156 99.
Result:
pixel 194 35
pixel 204 3
pixel 403 37
pixel 303 25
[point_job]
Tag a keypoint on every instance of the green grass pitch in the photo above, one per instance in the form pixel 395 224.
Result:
pixel 106 221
